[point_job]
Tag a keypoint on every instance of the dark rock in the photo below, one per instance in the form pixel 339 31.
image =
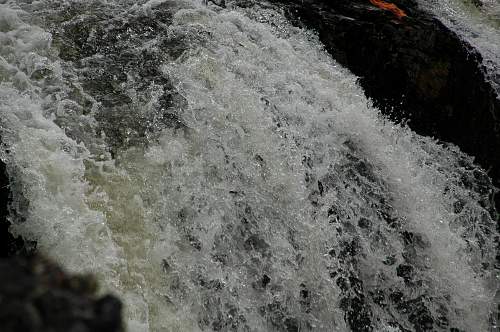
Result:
pixel 265 280
pixel 9 244
pixel 320 188
pixel 305 298
pixel 419 314
pixel 455 330
pixel 36 295
pixel 364 223
pixel 108 313
pixel 405 272
pixel 108 54
pixel 378 297
pixel 256 242
pixel 278 316
pixel 390 260
pixel 357 314
pixel 291 324
pixel 194 242
pixel 413 69
pixel 221 3
pixel 349 249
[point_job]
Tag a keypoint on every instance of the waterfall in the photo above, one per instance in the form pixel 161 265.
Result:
pixel 477 22
pixel 217 170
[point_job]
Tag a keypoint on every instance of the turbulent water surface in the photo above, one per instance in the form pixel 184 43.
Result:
pixel 220 172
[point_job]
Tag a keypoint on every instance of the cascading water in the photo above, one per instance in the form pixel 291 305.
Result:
pixel 220 172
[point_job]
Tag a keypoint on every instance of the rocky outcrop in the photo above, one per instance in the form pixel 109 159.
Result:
pixel 36 295
pixel 413 69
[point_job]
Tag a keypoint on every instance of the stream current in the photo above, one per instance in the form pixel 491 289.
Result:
pixel 220 172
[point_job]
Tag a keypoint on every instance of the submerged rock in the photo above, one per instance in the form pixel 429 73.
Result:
pixel 9 244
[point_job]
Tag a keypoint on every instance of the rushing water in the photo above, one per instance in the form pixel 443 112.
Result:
pixel 220 172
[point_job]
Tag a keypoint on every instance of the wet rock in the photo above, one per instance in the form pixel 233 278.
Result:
pixel 357 314
pixel 349 250
pixel 211 284
pixel 9 244
pixel 280 318
pixel 265 280
pixel 420 315
pixel 109 56
pixel 305 298
pixel 390 260
pixel 414 68
pixel 221 3
pixel 194 242
pixel 36 295
pixel 378 297
pixel 405 272
pixel 364 223
pixel 256 242
pixel 291 324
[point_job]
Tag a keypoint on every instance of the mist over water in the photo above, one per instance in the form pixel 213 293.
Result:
pixel 220 172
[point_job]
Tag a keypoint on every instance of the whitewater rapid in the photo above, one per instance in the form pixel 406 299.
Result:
pixel 220 172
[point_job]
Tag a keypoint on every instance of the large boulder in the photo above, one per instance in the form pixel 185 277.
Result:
pixel 413 69
pixel 36 295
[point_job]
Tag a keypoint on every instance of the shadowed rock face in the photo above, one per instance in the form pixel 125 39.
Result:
pixel 36 295
pixel 414 69
pixel 9 244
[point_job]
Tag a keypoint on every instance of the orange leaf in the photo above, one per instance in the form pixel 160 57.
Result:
pixel 389 6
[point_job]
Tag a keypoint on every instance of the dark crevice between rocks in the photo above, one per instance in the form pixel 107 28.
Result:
pixel 414 70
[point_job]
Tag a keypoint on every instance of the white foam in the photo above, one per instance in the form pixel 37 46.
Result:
pixel 138 223
pixel 47 168
pixel 245 62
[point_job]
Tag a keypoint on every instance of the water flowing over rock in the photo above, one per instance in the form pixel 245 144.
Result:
pixel 216 168
pixel 414 69
pixel 37 295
